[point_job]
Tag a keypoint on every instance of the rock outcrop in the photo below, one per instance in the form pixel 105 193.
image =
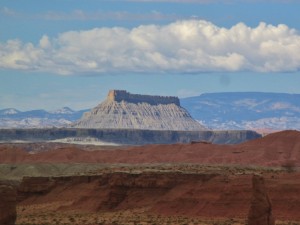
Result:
pixel 122 110
pixel 261 208
pixel 120 95
pixel 8 204
pixel 39 185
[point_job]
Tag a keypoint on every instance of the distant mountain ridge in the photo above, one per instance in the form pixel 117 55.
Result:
pixel 13 118
pixel 245 110
pixel 220 111
pixel 9 111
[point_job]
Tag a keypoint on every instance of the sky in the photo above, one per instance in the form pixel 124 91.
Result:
pixel 60 53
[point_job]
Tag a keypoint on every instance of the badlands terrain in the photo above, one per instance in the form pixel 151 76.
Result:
pixel 122 109
pixel 192 183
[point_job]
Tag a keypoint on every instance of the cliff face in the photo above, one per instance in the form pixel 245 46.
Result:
pixel 128 136
pixel 119 96
pixel 208 195
pixel 122 110
pixel 162 193
pixel 8 204
pixel 260 212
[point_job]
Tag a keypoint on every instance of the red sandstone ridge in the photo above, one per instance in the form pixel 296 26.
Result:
pixel 275 149
pixel 200 195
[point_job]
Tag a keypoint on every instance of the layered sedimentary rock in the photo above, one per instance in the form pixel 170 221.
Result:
pixel 261 209
pixel 122 110
pixel 8 203
pixel 127 136
pixel 119 95
pixel 208 195
pixel 162 193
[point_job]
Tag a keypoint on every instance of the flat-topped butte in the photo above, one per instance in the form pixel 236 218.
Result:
pixel 122 110
pixel 121 95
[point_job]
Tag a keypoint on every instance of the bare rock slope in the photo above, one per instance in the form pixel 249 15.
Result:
pixel 131 111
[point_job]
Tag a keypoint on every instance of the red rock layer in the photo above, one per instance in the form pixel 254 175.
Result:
pixel 273 150
pixel 203 195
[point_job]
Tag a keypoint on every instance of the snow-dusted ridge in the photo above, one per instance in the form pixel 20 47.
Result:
pixel 9 111
pixel 13 118
pixel 218 111
pixel 245 110
pixel 64 110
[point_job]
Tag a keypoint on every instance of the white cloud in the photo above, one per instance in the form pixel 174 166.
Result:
pixel 44 42
pixel 188 46
pixel 7 12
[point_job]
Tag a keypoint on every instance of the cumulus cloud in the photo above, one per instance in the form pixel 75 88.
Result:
pixel 188 46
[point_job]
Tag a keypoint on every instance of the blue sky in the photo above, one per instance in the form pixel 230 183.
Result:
pixel 70 53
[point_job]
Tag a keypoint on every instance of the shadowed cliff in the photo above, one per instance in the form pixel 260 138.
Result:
pixel 127 136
